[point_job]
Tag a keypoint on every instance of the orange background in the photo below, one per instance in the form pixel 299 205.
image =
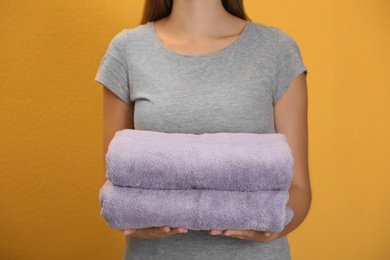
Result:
pixel 51 125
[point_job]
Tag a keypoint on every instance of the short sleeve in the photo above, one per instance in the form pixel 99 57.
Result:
pixel 113 70
pixel 289 64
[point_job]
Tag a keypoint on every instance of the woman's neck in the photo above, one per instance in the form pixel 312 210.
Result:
pixel 198 20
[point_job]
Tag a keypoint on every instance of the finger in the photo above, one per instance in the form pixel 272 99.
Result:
pixel 215 232
pixel 231 232
pixel 128 231
pixel 180 230
pixel 164 229
pixel 239 233
pixel 267 234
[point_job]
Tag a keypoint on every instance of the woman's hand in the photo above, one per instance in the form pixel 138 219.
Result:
pixel 154 232
pixel 252 235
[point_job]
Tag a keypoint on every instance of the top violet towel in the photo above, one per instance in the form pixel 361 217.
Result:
pixel 220 161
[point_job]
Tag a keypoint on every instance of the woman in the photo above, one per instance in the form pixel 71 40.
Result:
pixel 201 66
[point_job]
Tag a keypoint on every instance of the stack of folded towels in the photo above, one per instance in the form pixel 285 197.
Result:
pixel 200 182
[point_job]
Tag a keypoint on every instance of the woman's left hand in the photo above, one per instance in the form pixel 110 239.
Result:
pixel 252 235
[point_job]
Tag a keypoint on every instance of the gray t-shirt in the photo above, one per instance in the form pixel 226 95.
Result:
pixel 231 90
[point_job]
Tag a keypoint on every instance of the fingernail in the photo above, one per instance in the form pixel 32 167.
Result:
pixel 267 234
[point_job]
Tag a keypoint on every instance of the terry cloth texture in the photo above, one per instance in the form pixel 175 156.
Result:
pixel 231 90
pixel 126 208
pixel 199 182
pixel 220 161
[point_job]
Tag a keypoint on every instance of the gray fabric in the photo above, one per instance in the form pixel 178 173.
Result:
pixel 231 90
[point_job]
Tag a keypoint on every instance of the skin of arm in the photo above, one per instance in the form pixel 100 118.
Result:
pixel 290 113
pixel 117 115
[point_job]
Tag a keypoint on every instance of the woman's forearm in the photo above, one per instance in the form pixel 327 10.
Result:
pixel 299 202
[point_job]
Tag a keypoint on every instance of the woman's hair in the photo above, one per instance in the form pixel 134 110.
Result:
pixel 157 9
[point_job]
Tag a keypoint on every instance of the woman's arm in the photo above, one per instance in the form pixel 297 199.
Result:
pixel 290 114
pixel 117 115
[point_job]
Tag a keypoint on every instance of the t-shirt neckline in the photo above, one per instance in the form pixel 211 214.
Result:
pixel 225 50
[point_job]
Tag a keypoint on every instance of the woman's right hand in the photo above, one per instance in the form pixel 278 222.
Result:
pixel 153 232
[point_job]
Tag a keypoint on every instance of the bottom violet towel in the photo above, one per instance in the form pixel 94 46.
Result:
pixel 196 209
